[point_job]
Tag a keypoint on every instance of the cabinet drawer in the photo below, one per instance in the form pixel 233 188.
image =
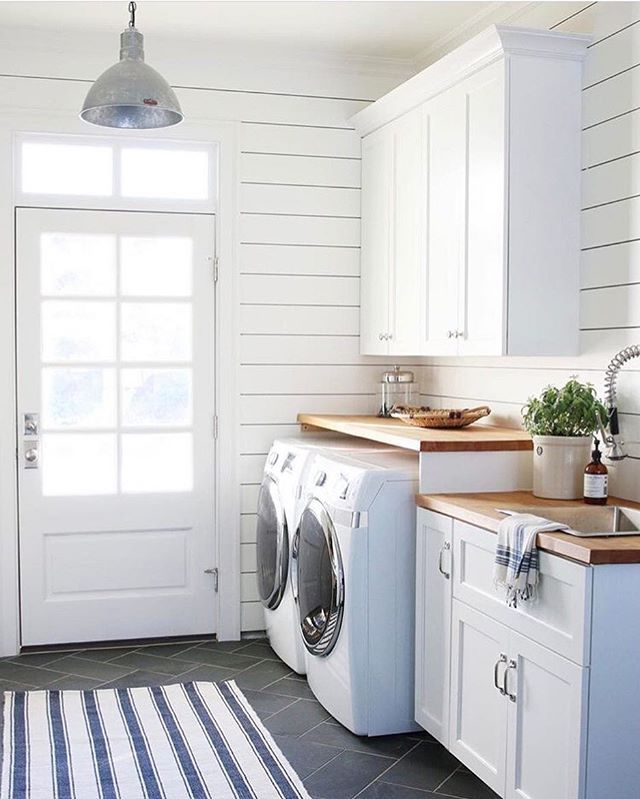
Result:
pixel 557 618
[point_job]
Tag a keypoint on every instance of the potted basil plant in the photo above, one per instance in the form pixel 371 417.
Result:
pixel 562 422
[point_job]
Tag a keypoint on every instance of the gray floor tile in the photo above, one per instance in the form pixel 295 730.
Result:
pixel 290 687
pixel 167 650
pixel 141 679
pixel 259 649
pixel 394 746
pixel 103 655
pixel 466 785
pixel 94 669
pixel 296 719
pixel 32 676
pixel 152 663
pixel 36 658
pixel 224 646
pixel 346 775
pixel 204 673
pixel 72 683
pixel 305 757
pixel 213 657
pixel 425 767
pixel 266 704
pixel 262 674
pixel 7 685
pixel 385 790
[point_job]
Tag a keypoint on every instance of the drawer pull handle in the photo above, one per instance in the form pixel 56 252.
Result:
pixel 496 668
pixel 444 548
pixel 505 689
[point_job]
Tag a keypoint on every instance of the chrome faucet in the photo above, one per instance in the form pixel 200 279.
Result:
pixel 614 447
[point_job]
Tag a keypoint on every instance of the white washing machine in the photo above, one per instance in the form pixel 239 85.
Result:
pixel 277 519
pixel 354 566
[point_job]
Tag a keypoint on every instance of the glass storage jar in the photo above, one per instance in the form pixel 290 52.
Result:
pixel 396 387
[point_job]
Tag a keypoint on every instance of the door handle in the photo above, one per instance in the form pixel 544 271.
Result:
pixel 505 689
pixel 444 548
pixel 496 668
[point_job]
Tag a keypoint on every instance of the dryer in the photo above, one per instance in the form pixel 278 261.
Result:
pixel 277 517
pixel 354 566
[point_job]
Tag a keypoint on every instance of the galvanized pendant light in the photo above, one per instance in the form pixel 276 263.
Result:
pixel 131 94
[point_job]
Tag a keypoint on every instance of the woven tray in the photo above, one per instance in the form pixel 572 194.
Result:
pixel 422 416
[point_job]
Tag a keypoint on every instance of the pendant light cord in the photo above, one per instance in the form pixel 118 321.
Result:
pixel 132 11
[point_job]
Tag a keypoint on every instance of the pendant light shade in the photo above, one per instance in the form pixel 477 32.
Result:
pixel 131 94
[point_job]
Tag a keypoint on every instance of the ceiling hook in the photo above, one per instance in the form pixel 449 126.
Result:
pixel 132 11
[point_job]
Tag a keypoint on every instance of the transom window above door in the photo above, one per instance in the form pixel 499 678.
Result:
pixel 92 171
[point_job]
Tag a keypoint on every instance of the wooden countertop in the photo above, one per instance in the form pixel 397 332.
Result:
pixel 479 509
pixel 398 434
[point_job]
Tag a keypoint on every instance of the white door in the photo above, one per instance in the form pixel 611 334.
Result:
pixel 376 242
pixel 408 232
pixel 115 337
pixel 433 622
pixel 478 713
pixel 446 187
pixel 547 723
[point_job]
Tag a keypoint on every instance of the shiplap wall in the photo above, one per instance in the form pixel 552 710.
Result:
pixel 610 269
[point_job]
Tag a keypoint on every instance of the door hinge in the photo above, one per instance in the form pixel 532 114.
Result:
pixel 215 427
pixel 214 573
pixel 216 270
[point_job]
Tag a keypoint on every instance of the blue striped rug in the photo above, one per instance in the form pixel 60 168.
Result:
pixel 190 741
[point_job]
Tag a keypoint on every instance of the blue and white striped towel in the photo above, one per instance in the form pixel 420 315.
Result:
pixel 516 565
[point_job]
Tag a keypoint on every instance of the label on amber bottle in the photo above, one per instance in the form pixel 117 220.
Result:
pixel 596 486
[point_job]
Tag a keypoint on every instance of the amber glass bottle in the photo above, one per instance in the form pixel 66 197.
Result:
pixel 596 479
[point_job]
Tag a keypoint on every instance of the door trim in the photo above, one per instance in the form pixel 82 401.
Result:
pixel 227 512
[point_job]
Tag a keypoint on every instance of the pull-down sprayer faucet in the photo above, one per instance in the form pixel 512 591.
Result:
pixel 614 447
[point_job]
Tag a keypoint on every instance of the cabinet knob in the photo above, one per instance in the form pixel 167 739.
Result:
pixel 459 333
pixel 380 336
pixel 450 333
pixel 389 336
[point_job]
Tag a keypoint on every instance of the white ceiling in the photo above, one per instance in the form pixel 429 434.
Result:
pixel 383 30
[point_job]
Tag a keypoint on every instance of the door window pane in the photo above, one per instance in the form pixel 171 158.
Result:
pixel 158 331
pixel 156 267
pixel 171 174
pixel 78 331
pixel 52 168
pixel 78 398
pixel 77 263
pixel 156 397
pixel 79 464
pixel 154 462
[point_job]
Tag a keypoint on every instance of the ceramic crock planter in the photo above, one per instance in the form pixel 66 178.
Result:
pixel 558 466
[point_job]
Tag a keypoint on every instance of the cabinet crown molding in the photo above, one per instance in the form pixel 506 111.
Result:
pixel 497 41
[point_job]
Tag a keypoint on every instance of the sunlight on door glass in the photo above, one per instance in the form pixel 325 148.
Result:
pixel 155 397
pixel 78 398
pixel 171 174
pixel 158 331
pixel 81 169
pixel 156 267
pixel 79 464
pixel 78 331
pixel 153 462
pixel 77 264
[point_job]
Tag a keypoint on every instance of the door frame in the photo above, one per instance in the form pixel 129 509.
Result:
pixel 22 113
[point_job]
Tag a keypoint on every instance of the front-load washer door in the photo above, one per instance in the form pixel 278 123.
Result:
pixel 320 579
pixel 272 538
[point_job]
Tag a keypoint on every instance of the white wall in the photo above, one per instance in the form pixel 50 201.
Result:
pixel 610 275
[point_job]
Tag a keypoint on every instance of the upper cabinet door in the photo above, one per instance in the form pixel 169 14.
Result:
pixel 445 221
pixel 408 232
pixel 482 295
pixel 375 259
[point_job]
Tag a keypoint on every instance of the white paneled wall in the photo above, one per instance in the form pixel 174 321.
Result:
pixel 610 274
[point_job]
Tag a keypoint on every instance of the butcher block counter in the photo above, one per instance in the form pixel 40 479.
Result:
pixel 480 510
pixel 475 438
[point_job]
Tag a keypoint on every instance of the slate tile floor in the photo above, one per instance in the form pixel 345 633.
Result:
pixel 333 763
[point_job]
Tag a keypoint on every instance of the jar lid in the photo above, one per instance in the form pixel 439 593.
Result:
pixel 396 376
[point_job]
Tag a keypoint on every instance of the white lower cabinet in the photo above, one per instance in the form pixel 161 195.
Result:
pixel 514 711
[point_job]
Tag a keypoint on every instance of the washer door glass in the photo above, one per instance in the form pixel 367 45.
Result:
pixel 320 580
pixel 272 540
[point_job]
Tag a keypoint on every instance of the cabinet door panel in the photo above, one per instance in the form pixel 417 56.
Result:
pixel 445 228
pixel 482 292
pixel 375 254
pixel 433 622
pixel 408 232
pixel 547 724
pixel 478 714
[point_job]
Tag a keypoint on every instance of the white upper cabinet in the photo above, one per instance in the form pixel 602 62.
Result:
pixel 477 237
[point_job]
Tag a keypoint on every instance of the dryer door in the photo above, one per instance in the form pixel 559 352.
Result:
pixel 320 579
pixel 272 538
